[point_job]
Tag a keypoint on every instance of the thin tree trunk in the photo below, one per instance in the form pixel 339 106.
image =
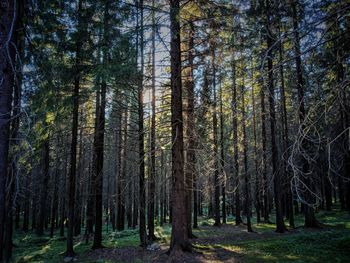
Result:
pixel 222 158
pixel 151 192
pixel 310 220
pixel 44 185
pixel 289 194
pixel 7 76
pixel 142 190
pixel 238 218
pixel 215 143
pixel 280 227
pixel 245 171
pixel 256 165
pixel 74 142
pixel 190 166
pixel 99 143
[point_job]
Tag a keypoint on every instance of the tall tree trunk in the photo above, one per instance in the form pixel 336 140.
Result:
pixel 54 205
pixel 151 192
pixel 64 190
pixel 222 158
pixel 264 155
pixel 142 190
pixel 179 237
pixel 256 165
pixel 280 227
pixel 310 220
pixel 215 142
pixel 245 170
pixel 74 142
pixel 190 166
pixel 99 141
pixel 98 158
pixel 285 132
pixel 44 185
pixel 8 17
pixel 238 218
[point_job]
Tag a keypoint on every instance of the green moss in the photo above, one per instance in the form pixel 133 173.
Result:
pixel 330 244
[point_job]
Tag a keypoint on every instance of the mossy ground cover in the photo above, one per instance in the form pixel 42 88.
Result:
pixel 328 244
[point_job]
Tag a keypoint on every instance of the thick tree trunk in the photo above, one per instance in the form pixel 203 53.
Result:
pixel 179 237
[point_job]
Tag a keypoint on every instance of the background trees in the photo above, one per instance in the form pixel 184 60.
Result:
pixel 111 116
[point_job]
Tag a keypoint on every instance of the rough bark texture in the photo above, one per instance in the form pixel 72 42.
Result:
pixel 179 237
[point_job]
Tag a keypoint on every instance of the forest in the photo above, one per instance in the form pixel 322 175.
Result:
pixel 174 131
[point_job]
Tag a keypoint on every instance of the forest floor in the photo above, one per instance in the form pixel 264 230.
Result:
pixel 227 243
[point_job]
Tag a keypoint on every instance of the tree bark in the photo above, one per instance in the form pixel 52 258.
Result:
pixel 142 190
pixel 238 218
pixel 74 142
pixel 310 220
pixel 44 185
pixel 190 166
pixel 179 237
pixel 245 171
pixel 151 192
pixel 280 227
pixel 8 18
